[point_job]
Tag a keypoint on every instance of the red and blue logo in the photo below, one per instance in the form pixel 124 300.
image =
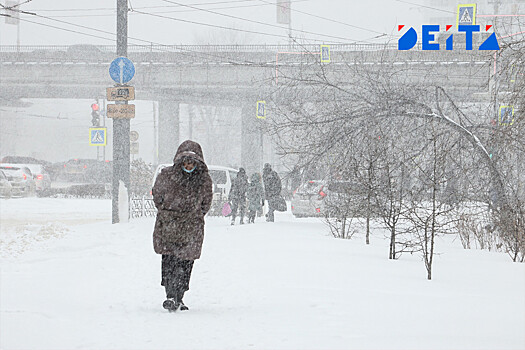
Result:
pixel 409 39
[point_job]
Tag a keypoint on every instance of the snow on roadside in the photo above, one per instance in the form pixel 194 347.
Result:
pixel 26 222
pixel 286 285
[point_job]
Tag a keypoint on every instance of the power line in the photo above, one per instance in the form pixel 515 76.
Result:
pixel 151 42
pixel 218 26
pixel 428 7
pixel 172 11
pixel 187 51
pixel 68 30
pixel 253 21
pixel 331 20
pixel 148 7
pixel 34 115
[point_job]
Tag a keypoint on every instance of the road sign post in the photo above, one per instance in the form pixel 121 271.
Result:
pixel 121 71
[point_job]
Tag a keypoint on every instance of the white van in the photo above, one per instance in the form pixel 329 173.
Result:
pixel 222 178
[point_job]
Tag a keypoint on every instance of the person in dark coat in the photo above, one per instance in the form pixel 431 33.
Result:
pixel 272 189
pixel 237 196
pixel 255 196
pixel 182 194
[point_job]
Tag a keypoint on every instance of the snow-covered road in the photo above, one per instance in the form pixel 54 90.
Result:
pixel 71 279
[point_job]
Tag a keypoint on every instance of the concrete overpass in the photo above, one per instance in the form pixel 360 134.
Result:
pixel 227 75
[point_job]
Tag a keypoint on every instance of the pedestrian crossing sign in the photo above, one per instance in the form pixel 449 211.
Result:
pixel 466 15
pixel 506 115
pixel 325 53
pixel 261 110
pixel 97 136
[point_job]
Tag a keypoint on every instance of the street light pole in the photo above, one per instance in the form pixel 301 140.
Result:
pixel 121 130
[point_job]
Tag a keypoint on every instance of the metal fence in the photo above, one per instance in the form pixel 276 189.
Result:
pixel 199 48
pixel 140 207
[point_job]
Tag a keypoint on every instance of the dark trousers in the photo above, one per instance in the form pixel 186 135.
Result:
pixel 271 209
pixel 251 215
pixel 176 275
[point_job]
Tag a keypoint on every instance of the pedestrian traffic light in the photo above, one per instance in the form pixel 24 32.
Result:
pixel 95 117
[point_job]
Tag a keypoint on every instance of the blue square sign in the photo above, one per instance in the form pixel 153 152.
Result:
pixel 466 14
pixel 506 115
pixel 97 136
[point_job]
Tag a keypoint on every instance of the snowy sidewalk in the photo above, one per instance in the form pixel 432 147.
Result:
pixel 286 285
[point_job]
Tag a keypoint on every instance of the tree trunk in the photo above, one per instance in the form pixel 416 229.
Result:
pixel 392 242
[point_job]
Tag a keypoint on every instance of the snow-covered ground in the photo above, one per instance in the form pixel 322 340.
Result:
pixel 71 279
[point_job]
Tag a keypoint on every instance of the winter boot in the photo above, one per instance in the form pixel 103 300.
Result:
pixel 171 304
pixel 183 307
pixel 180 302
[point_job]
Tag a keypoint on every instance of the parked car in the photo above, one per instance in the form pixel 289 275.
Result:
pixel 47 167
pixel 221 177
pixel 23 160
pixel 20 178
pixel 309 199
pixel 5 186
pixel 41 177
pixel 87 170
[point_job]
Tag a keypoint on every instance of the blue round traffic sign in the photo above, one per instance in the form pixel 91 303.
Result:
pixel 121 70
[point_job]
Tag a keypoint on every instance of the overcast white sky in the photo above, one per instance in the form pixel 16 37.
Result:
pixel 374 16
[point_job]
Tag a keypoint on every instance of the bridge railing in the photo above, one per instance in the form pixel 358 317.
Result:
pixel 201 48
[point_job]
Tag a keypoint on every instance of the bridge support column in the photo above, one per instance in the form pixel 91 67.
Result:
pixel 251 140
pixel 168 130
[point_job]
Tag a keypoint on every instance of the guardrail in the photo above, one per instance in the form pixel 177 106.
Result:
pixel 141 207
pixel 144 207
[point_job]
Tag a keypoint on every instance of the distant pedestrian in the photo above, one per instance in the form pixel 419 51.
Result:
pixel 295 178
pixel 255 196
pixel 237 196
pixel 182 194
pixel 272 190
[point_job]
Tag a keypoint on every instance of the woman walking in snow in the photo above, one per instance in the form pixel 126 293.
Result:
pixel 237 196
pixel 255 195
pixel 182 194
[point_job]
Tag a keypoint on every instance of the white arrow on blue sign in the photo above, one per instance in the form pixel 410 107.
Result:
pixel 121 70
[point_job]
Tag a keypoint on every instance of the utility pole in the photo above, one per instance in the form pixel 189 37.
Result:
pixel 155 148
pixel 121 131
pixel 104 125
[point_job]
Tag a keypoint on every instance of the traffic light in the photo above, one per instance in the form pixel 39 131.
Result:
pixel 95 117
